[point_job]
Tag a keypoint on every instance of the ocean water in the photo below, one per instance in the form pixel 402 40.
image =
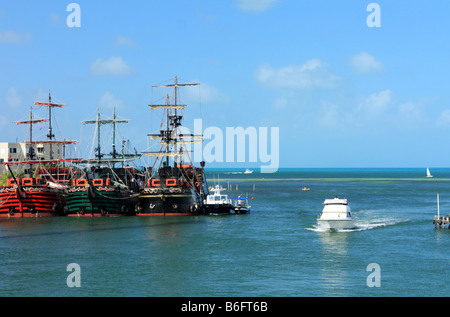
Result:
pixel 275 251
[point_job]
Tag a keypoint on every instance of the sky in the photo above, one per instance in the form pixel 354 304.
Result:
pixel 342 93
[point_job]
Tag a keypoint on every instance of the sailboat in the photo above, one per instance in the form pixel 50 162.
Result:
pixel 174 186
pixel 42 191
pixel 428 173
pixel 105 190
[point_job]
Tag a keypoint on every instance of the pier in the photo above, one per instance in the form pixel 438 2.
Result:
pixel 440 221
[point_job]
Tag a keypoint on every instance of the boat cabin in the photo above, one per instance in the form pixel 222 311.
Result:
pixel 217 198
pixel 336 208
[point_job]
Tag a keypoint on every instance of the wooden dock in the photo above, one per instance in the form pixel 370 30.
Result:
pixel 441 222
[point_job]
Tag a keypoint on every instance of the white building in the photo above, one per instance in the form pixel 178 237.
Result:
pixel 17 152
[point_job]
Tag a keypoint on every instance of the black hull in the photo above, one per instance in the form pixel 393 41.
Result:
pixel 217 209
pixel 241 211
pixel 163 203
pixel 99 203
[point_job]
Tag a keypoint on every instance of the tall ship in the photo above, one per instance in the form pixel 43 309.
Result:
pixel 38 183
pixel 105 189
pixel 173 185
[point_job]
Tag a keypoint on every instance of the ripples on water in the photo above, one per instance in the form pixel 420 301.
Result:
pixel 277 250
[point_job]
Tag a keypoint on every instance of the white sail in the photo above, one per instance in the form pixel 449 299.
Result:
pixel 179 107
pixel 428 173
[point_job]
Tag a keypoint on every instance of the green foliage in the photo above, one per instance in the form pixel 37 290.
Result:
pixel 4 177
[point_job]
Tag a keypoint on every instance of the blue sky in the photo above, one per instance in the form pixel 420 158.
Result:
pixel 342 94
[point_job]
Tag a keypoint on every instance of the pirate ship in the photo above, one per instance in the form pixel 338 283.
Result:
pixel 173 185
pixel 42 189
pixel 105 189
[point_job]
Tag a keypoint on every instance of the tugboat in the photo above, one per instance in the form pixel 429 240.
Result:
pixel 42 189
pixel 336 215
pixel 173 186
pixel 105 190
pixel 217 203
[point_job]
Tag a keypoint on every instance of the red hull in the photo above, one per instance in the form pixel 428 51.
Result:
pixel 27 215
pixel 37 201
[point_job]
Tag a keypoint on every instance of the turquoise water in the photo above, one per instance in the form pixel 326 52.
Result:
pixel 276 251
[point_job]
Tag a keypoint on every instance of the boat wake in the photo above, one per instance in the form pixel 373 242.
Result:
pixel 360 225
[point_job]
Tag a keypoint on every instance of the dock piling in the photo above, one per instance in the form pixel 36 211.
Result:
pixel 439 220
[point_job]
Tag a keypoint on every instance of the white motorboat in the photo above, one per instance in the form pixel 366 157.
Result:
pixel 247 171
pixel 241 205
pixel 336 215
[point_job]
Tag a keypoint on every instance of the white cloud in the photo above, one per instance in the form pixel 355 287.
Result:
pixel 309 75
pixel 12 37
pixel 110 101
pixel 281 102
pixel 330 115
pixel 444 118
pixel 255 5
pixel 376 112
pixel 124 41
pixel 13 98
pixel 54 18
pixel 376 103
pixel 410 112
pixel 205 93
pixel 115 66
pixel 365 63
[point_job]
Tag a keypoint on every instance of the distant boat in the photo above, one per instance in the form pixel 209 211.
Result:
pixel 428 173
pixel 247 171
pixel 305 188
